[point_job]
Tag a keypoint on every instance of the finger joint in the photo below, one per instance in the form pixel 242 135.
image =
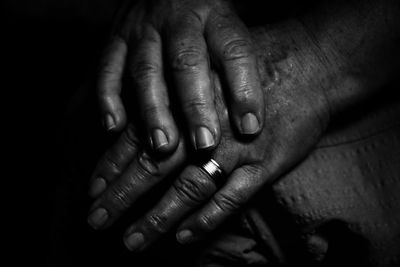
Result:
pixel 188 59
pixel 158 223
pixel 192 190
pixel 237 49
pixel 206 223
pixel 228 202
pixel 111 162
pixel 196 106
pixel 120 196
pixel 143 70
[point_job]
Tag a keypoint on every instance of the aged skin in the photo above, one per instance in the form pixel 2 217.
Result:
pixel 312 69
pixel 190 36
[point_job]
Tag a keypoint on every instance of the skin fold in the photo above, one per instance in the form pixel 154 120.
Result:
pixel 312 69
pixel 172 44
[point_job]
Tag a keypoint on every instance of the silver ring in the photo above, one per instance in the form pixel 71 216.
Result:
pixel 213 169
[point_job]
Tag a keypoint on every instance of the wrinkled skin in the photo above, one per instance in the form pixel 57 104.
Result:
pixel 180 39
pixel 296 118
pixel 306 80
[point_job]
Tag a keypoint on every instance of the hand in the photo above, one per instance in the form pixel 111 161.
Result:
pixel 296 115
pixel 310 78
pixel 185 39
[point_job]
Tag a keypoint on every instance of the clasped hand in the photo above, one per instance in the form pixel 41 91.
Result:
pixel 221 73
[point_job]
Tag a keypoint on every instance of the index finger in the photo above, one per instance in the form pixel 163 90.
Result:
pixel 140 176
pixel 233 50
pixel 188 60
pixel 193 187
pixel 109 85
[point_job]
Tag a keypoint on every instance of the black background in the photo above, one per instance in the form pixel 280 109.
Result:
pixel 49 49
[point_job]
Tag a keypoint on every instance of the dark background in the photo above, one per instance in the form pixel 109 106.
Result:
pixel 50 48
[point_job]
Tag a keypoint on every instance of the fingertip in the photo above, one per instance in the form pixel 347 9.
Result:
pixel 114 121
pixel 164 140
pixel 248 108
pixel 159 139
pixel 109 122
pixel 98 218
pixel 97 187
pixel 184 236
pixel 249 124
pixel 134 241
pixel 120 120
pixel 203 138
pixel 113 112
pixel 190 231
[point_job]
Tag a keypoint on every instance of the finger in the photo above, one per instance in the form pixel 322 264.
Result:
pixel 233 50
pixel 242 184
pixel 139 177
pixel 114 161
pixel 146 70
pixel 109 85
pixel 188 57
pixel 192 188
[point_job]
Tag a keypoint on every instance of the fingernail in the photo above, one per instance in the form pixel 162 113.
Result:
pixel 134 241
pixel 204 138
pixel 159 139
pixel 250 124
pixel 109 122
pixel 98 217
pixel 97 187
pixel 184 236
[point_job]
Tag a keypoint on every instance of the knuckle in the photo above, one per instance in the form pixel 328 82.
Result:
pixel 195 16
pixel 111 162
pixel 151 111
pixel 107 73
pixel 158 223
pixel 254 170
pixel 197 106
pixel 109 68
pixel 206 223
pixel 244 94
pixel 191 190
pixel 106 86
pixel 120 196
pixel 155 114
pixel 228 202
pixel 107 169
pixel 142 70
pixel 187 59
pixel 237 49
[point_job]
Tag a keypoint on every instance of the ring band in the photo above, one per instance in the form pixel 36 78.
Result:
pixel 213 169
